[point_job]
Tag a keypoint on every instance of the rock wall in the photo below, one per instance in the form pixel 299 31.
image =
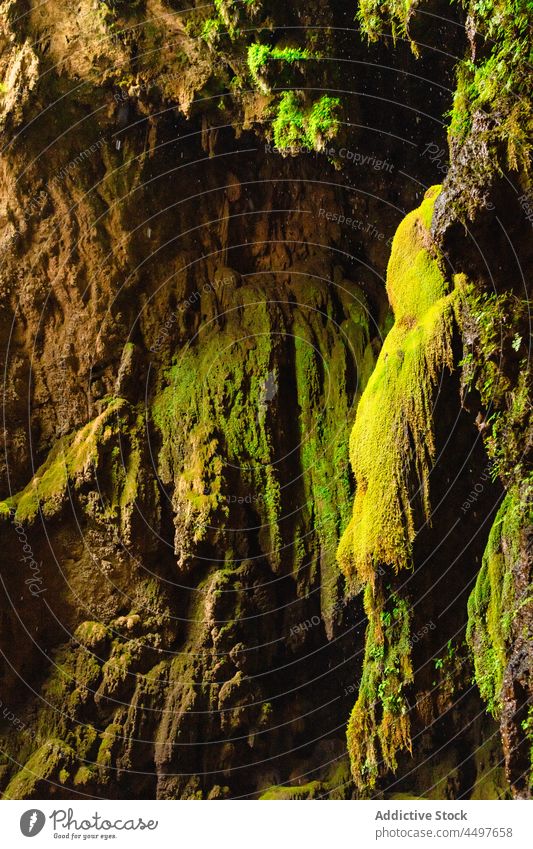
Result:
pixel 197 214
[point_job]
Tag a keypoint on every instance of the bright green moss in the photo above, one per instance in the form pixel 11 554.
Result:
pixel 394 418
pixel 375 15
pixel 214 407
pixel 415 280
pixel 259 55
pixel 70 685
pixel 85 775
pixel 107 448
pixel 117 669
pixel 73 678
pixel 496 322
pixel 299 125
pixel 497 82
pixel 491 604
pixel 210 30
pixel 311 790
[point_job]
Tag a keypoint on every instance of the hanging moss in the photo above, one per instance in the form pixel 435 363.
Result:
pixel 494 81
pixel 374 16
pixel 379 726
pixel 491 606
pixel 322 369
pixel 59 744
pixel 212 408
pixel 394 418
pixel 298 125
pixel 260 55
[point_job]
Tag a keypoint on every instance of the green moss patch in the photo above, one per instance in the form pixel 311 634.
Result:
pixel 298 124
pixel 491 606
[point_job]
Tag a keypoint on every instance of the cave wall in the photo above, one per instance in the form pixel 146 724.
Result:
pixel 192 313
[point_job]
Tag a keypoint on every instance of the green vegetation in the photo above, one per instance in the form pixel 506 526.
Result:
pixel 498 83
pixel 298 125
pixel 298 792
pixel 394 423
pixel 394 418
pixel 485 317
pixel 374 16
pixel 379 726
pixel 107 448
pixel 336 785
pixel 527 728
pixel 210 30
pixel 49 763
pixel 491 604
pixel 260 54
pixel 91 634
pixel 495 82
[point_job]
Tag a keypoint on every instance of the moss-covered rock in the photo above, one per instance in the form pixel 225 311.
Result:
pixel 394 422
pixel 49 765
pixel 394 419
